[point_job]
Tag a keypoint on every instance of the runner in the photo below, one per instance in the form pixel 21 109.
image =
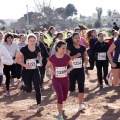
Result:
pixel 6 59
pixel 92 39
pixel 79 56
pixel 115 61
pixel 60 81
pixel 99 51
pixel 30 72
pixel 43 59
pixel 10 71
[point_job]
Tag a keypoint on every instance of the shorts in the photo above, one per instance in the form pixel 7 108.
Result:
pixel 118 65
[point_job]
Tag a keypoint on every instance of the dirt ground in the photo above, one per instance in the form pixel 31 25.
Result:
pixel 100 104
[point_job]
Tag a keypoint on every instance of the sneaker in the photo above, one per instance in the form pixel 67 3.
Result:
pixel 60 117
pixel 20 85
pixel 101 87
pixel 87 73
pixel 12 81
pixel 7 93
pixel 110 79
pixel 40 108
pixel 82 107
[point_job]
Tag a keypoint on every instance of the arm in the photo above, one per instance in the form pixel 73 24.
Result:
pixel 39 56
pixel 6 58
pixel 71 66
pixel 111 49
pixel 17 59
pixel 86 58
pixel 86 45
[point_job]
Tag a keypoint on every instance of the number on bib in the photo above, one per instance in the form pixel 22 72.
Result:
pixel 77 63
pixel 32 63
pixel 61 72
pixel 102 56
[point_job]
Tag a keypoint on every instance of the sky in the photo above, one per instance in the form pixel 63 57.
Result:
pixel 14 9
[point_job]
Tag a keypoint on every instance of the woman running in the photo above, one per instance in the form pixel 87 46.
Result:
pixel 115 61
pixel 59 62
pixel 92 39
pixel 79 56
pixel 10 71
pixel 6 59
pixel 99 51
pixel 30 72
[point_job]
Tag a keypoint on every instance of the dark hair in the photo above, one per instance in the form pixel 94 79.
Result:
pixel 1 33
pixel 99 34
pixel 82 27
pixel 77 28
pixel 31 36
pixel 74 34
pixel 21 35
pixel 114 31
pixel 88 34
pixel 36 33
pixel 114 23
pixel 50 28
pixel 7 36
pixel 59 44
pixel 57 36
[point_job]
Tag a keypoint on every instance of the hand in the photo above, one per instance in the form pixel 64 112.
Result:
pixel 113 65
pixel 52 72
pixel 78 54
pixel 68 71
pixel 28 67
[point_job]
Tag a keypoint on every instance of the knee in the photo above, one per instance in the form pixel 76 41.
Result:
pixel 60 100
pixel 81 90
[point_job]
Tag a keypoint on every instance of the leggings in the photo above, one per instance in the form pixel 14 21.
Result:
pixel 29 77
pixel 1 79
pixel 19 68
pixel 79 76
pixel 61 87
pixel 7 69
pixel 100 65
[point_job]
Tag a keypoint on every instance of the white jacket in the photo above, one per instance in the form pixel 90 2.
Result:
pixel 5 58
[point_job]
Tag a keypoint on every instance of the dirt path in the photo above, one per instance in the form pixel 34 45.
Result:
pixel 101 105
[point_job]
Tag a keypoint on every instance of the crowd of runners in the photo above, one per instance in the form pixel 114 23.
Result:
pixel 65 57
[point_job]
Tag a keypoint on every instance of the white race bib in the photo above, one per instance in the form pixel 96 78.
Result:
pixel 77 63
pixel 61 72
pixel 119 58
pixel 102 56
pixel 32 63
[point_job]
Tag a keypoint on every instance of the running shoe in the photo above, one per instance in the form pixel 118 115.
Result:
pixel 87 73
pixel 60 117
pixel 110 79
pixel 7 93
pixel 82 107
pixel 40 108
pixel 12 81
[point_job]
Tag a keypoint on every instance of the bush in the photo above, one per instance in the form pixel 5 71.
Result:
pixel 97 24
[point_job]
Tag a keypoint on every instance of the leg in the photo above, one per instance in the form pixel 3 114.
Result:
pixel 37 83
pixel 72 78
pixel 7 75
pixel 19 68
pixel 58 89
pixel 105 70
pixel 26 76
pixel 13 70
pixel 41 72
pixel 81 81
pixel 115 76
pixel 99 71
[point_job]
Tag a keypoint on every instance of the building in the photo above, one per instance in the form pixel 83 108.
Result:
pixel 114 18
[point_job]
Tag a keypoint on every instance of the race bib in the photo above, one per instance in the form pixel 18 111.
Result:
pixel 32 63
pixel 77 63
pixel 119 58
pixel 102 56
pixel 61 72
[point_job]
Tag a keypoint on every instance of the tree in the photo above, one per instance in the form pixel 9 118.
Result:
pixel 90 26
pixel 99 12
pixel 70 10
pixel 97 24
pixel 109 13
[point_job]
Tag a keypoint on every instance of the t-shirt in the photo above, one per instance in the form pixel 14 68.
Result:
pixel 74 51
pixel 28 55
pixel 20 45
pixel 60 63
pixel 99 50
pixel 116 57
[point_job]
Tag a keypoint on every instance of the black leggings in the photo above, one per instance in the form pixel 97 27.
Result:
pixel 34 76
pixel 79 76
pixel 7 69
pixel 19 68
pixel 100 65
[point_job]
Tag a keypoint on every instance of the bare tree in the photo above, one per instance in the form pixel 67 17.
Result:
pixel 109 13
pixel 99 11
